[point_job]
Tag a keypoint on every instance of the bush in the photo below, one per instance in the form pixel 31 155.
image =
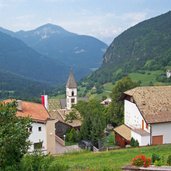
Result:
pixel 55 166
pixel 155 157
pixel 45 162
pixel 10 168
pixel 134 143
pixel 72 135
pixel 169 160
pixel 158 163
pixel 141 160
pixel 31 162
pixel 36 162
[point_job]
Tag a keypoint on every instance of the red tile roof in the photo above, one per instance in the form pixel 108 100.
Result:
pixel 37 112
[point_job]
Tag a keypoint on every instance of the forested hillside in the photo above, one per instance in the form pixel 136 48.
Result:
pixel 146 46
pixel 45 55
pixel 16 57
pixel 15 86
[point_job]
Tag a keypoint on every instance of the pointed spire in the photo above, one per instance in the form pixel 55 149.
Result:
pixel 71 83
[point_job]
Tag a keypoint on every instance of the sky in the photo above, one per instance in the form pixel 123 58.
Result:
pixel 103 19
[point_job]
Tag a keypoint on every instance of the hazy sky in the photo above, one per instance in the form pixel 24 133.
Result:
pixel 104 19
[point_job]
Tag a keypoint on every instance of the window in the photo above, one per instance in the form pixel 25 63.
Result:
pixel 38 145
pixel 39 128
pixel 72 100
pixel 30 129
pixel 72 93
pixel 146 125
pixel 142 124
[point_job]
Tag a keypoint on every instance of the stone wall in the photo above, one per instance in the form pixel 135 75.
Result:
pixel 151 168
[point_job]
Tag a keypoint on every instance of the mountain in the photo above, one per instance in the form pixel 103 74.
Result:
pixel 74 50
pixel 15 86
pixel 145 46
pixel 16 57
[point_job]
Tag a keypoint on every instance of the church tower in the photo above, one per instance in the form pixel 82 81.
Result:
pixel 71 91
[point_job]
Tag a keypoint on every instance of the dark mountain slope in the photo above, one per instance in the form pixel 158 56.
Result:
pixel 18 58
pixel 146 46
pixel 15 86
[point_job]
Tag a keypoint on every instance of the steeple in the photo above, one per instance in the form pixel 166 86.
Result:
pixel 71 83
pixel 71 91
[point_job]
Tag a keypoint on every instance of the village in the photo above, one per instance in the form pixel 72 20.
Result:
pixel 147 118
pixel 85 85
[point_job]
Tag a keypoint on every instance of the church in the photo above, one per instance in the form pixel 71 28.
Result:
pixel 60 109
pixel 71 93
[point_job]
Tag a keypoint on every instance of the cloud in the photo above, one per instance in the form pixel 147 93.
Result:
pixel 135 17
pixel 74 15
pixel 105 26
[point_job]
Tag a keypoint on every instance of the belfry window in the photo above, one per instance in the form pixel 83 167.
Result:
pixel 72 93
pixel 72 100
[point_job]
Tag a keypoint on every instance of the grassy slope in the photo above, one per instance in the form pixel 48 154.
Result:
pixel 146 79
pixel 112 160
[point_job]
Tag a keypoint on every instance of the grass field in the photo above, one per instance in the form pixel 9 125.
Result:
pixel 144 77
pixel 149 77
pixel 109 161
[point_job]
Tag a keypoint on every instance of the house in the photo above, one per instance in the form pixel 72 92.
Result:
pixel 42 130
pixel 106 102
pixel 61 125
pixel 168 73
pixel 147 116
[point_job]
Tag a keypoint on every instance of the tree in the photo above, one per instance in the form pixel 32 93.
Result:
pixel 73 115
pixel 13 136
pixel 115 114
pixel 93 120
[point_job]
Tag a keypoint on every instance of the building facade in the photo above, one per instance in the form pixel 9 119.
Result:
pixel 147 114
pixel 71 91
pixel 42 130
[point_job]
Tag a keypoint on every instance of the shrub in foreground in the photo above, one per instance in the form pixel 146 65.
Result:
pixel 134 143
pixel 169 160
pixel 155 157
pixel 55 166
pixel 40 162
pixel 141 160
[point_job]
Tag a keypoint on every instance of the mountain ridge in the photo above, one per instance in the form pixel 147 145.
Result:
pixel 70 48
pixel 145 46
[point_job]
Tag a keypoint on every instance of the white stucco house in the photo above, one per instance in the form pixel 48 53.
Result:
pixel 168 73
pixel 42 130
pixel 147 116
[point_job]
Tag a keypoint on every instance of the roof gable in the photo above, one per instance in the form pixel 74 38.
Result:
pixel 35 111
pixel 154 102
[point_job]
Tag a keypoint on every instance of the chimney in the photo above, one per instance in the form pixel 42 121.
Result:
pixel 19 105
pixel 45 101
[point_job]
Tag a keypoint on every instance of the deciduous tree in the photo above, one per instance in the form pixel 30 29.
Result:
pixel 13 136
pixel 93 120
pixel 115 114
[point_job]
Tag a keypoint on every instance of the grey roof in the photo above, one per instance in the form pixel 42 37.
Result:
pixel 63 103
pixel 141 132
pixel 71 83
pixel 154 102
